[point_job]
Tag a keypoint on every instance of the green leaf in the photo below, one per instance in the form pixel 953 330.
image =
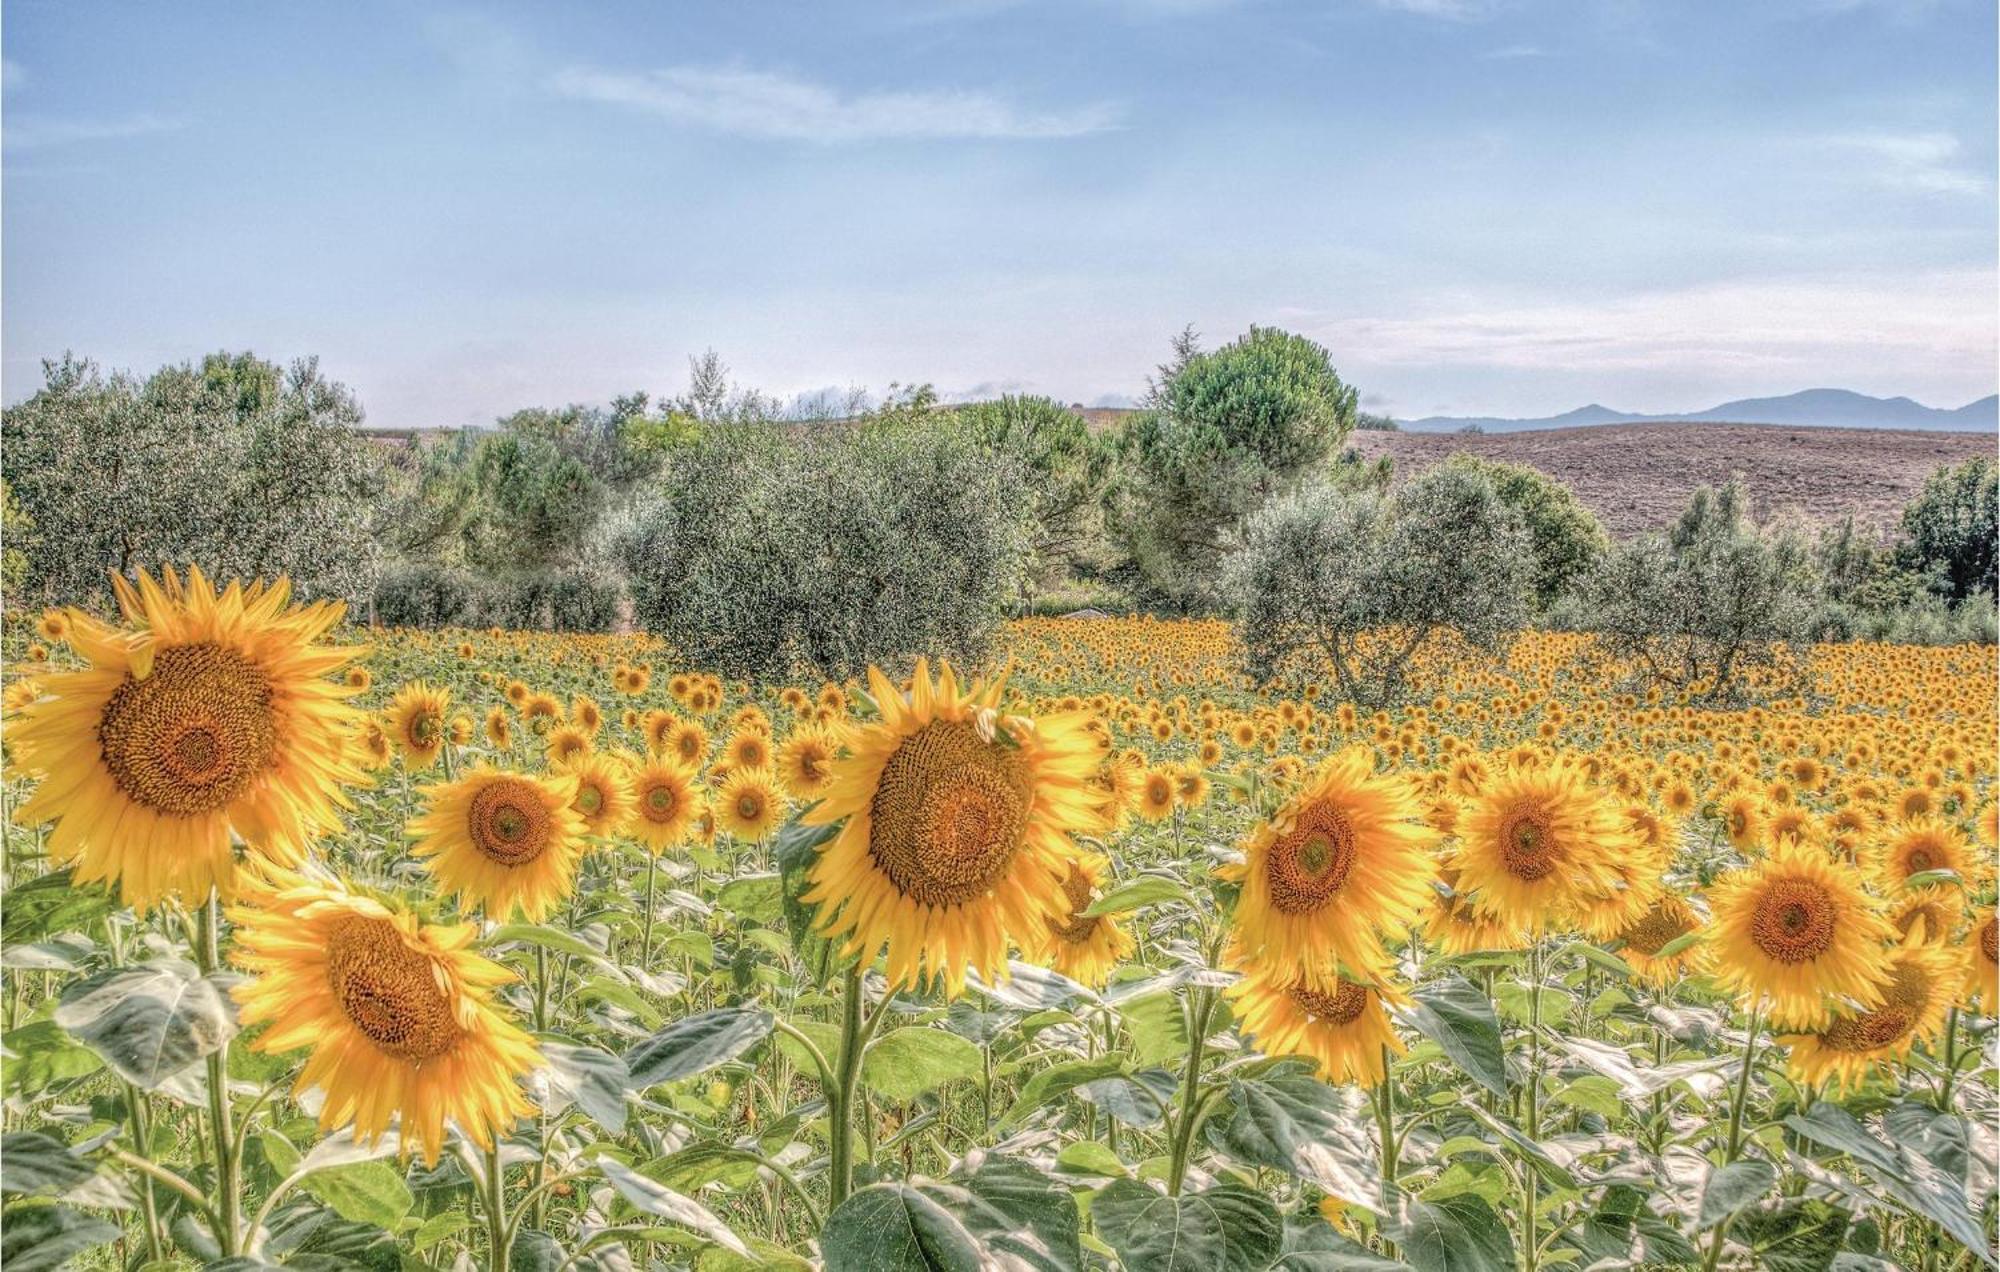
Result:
pixel 1053 1082
pixel 1906 1176
pixel 1015 1211
pixel 1146 889
pixel 592 1077
pixel 696 1043
pixel 36 1238
pixel 149 1022
pixel 1455 1234
pixel 548 938
pixel 1733 1188
pixel 758 898
pixel 363 1192
pixel 32 1163
pixel 1602 957
pixel 42 1055
pixel 1136 1099
pixel 795 849
pixel 893 1227
pixel 1227 1228
pixel 1798 1236
pixel 49 904
pixel 1155 1025
pixel 662 1202
pixel 1453 1013
pixel 1297 1124
pixel 1930 878
pixel 905 1063
pixel 699 1165
pixel 1088 1157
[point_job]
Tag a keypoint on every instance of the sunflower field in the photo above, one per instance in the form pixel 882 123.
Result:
pixel 398 949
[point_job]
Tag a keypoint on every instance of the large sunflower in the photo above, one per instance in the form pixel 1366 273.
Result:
pixel 1535 844
pixel 1342 1027
pixel 1923 981
pixel 213 717
pixel 1794 931
pixel 399 1014
pixel 1084 948
pixel 1343 865
pixel 502 841
pixel 417 722
pixel 664 803
pixel 956 824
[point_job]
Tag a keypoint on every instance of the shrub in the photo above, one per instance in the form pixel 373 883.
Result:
pixel 1565 538
pixel 426 594
pixel 1949 530
pixel 772 552
pixel 1367 581
pixel 1065 468
pixel 1713 605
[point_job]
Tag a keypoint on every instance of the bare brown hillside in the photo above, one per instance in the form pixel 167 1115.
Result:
pixel 1638 476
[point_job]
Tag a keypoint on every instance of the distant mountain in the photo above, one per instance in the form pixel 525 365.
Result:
pixel 1813 408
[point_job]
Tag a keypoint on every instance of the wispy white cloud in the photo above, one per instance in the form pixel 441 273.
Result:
pixel 25 132
pixel 1514 52
pixel 777 105
pixel 1931 162
pixel 1452 10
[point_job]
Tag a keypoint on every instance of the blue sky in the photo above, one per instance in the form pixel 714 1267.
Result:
pixel 1480 206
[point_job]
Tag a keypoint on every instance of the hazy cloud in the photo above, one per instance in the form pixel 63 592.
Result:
pixel 1931 162
pixel 773 104
pixel 37 133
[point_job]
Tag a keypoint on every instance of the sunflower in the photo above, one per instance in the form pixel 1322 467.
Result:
pixel 1455 926
pixel 1157 791
pixel 603 793
pixel 1743 821
pixel 689 744
pixel 567 742
pixel 1642 941
pixel 1640 872
pixel 955 824
pixel 53 626
pixel 1917 846
pixel 399 1014
pixel 748 805
pixel 1536 843
pixel 358 679
pixel 1923 979
pixel 1343 1026
pixel 499 730
pixel 416 721
pixel 1190 785
pixel 1084 948
pixel 1930 914
pixel 804 759
pixel 747 748
pixel 502 841
pixel 1795 930
pixel 585 714
pixel 1981 958
pixel 665 804
pixel 211 719
pixel 371 745
pixel 1342 866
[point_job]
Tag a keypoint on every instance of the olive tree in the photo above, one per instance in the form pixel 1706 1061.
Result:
pixel 1364 583
pixel 237 466
pixel 1064 467
pixel 1949 531
pixel 1565 539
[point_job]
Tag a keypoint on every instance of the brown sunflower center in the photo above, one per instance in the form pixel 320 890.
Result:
pixel 192 736
pixel 1527 846
pixel 1652 932
pixel 1989 940
pixel 749 805
pixel 1794 921
pixel 389 991
pixel 1337 1008
pixel 510 825
pixel 1903 1003
pixel 659 802
pixel 589 800
pixel 949 813
pixel 426 730
pixel 1076 929
pixel 1309 865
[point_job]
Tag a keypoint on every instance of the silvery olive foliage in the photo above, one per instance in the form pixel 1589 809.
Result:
pixel 1363 581
pixel 1711 605
pixel 779 550
pixel 236 465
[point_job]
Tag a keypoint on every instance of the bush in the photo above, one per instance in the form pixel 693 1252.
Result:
pixel 1565 538
pixel 1711 606
pixel 775 552
pixel 1066 468
pixel 1949 530
pixel 425 594
pixel 1367 581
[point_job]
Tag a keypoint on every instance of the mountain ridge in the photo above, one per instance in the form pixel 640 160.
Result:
pixel 1808 408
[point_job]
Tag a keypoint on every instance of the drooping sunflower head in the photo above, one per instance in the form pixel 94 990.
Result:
pixel 416 722
pixel 1930 914
pixel 1654 944
pixel 210 716
pixel 1085 948
pixel 1743 816
pixel 1536 843
pixel 502 841
pixel 1345 864
pixel 399 1015
pixel 1922 982
pixel 585 714
pixel 955 824
pixel 664 804
pixel 1795 932
pixel 1339 1024
pixel 604 796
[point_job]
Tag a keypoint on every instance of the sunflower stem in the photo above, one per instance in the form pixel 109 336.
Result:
pixel 1950 1060
pixel 228 1181
pixel 1385 1124
pixel 1738 1099
pixel 840 1099
pixel 1184 1128
pixel 646 942
pixel 496 1207
pixel 1531 1256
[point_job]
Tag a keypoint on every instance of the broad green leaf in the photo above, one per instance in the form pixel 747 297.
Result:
pixel 36 1237
pixel 553 939
pixel 1053 1082
pixel 149 1022
pixel 1453 1013
pixel 1227 1228
pixel 905 1063
pixel 662 1202
pixel 1455 1234
pixel 1146 889
pixel 1018 1212
pixel 1156 1027
pixel 1088 1157
pixel 42 1054
pixel 362 1192
pixel 759 898
pixel 50 904
pixel 1797 1236
pixel 1906 1176
pixel 1295 1123
pixel 893 1227
pixel 795 849
pixel 699 1165
pixel 32 1163
pixel 1732 1189
pixel 696 1043
pixel 594 1078
pixel 1136 1099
